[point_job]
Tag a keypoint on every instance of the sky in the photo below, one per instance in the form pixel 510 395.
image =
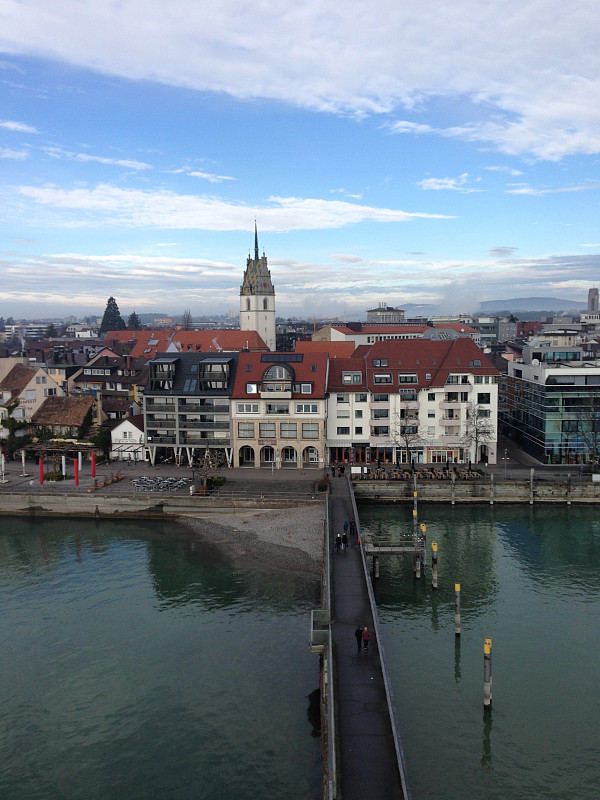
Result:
pixel 390 152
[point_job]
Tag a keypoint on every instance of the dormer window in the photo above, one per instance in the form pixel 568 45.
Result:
pixel 277 379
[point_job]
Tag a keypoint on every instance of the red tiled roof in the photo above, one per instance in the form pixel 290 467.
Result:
pixel 251 369
pixel 148 343
pixel 334 349
pixel 18 378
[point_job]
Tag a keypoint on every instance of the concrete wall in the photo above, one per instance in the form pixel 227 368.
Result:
pixel 479 491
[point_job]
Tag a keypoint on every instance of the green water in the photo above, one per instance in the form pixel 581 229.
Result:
pixel 136 665
pixel 530 579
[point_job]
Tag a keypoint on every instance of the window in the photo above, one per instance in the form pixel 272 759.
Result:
pixel 190 384
pixel 278 408
pixel 431 414
pixel 351 377
pixel 49 392
pixel 453 379
pixel 431 397
pixel 247 408
pixel 475 363
pixel 464 397
pixel 407 378
pixel 343 398
pixel 310 430
pixel 380 413
pixel 30 394
pixel 484 412
pixel 382 377
pixel 251 388
pixel 483 398
pixel 246 430
pixel 266 430
pixel 248 367
pixel 478 379
pixel 379 430
pixel 380 362
pixel 288 430
pixel 303 388
pixel 358 414
pixel 358 431
pixel 343 431
pixel 428 376
pixel 343 413
pixel 361 398
pixel 381 398
pixel 306 408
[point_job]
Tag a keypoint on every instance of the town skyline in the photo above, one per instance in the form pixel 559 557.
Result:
pixel 437 156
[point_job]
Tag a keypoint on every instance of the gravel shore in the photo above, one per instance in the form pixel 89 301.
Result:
pixel 289 539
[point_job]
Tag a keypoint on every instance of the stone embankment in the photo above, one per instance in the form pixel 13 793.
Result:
pixel 485 490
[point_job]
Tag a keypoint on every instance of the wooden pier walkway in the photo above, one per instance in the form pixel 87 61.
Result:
pixel 368 747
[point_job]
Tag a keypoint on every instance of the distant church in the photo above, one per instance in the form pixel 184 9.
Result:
pixel 257 298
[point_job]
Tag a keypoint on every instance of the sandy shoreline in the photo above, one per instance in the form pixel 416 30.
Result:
pixel 289 539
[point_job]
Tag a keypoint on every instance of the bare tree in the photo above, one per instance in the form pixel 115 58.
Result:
pixel 186 322
pixel 588 425
pixel 479 429
pixel 404 429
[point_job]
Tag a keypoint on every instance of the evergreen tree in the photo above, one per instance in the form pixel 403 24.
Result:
pixel 112 319
pixel 133 323
pixel 50 331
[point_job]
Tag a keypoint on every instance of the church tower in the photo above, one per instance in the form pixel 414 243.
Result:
pixel 257 298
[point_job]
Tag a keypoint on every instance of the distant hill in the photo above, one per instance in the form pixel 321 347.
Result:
pixel 532 304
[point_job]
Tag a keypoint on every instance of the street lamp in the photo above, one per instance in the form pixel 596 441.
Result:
pixel 505 459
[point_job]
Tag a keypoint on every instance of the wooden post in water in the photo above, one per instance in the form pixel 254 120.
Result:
pixel 453 497
pixel 457 609
pixel 531 471
pixel 434 583
pixel 569 489
pixel 492 489
pixel 375 566
pixel 487 672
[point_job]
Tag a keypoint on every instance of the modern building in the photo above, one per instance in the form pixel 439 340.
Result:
pixel 385 315
pixel 592 306
pixel 550 403
pixel 257 298
pixel 187 407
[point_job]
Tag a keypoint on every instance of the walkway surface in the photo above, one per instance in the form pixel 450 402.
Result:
pixel 366 752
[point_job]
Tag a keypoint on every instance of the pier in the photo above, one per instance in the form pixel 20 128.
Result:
pixel 365 755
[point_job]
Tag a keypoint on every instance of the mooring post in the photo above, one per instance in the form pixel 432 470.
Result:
pixel 487 672
pixel 453 496
pixel 457 609
pixel 569 489
pixel 531 471
pixel 375 566
pixel 434 557
pixel 417 563
pixel 492 489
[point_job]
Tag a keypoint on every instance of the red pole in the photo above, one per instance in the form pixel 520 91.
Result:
pixel 76 463
pixel 41 470
pixel 93 465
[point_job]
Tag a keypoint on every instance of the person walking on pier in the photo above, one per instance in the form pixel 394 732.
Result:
pixel 366 637
pixel 338 541
pixel 344 540
pixel 352 528
pixel 358 635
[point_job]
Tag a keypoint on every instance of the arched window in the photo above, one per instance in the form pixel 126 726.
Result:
pixel 266 304
pixel 277 379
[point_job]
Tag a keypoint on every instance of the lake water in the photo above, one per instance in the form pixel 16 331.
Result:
pixel 530 579
pixel 136 665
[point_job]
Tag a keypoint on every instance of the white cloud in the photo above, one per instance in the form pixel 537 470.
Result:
pixel 529 94
pixel 508 170
pixel 58 152
pixel 165 209
pixel 526 189
pixel 17 155
pixel 458 184
pixel 18 127
pixel 208 176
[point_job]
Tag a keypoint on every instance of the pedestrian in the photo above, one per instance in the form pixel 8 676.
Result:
pixel 346 526
pixel 365 637
pixel 338 541
pixel 358 634
pixel 352 528
pixel 344 540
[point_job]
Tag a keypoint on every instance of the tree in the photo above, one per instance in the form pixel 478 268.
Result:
pixel 588 424
pixel 404 429
pixel 13 441
pixel 103 441
pixel 86 425
pixel 112 319
pixel 133 323
pixel 186 322
pixel 479 429
pixel 50 331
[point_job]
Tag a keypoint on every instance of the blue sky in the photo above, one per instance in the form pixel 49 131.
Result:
pixel 389 152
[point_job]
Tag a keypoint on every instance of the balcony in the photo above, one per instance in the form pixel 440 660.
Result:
pixel 189 425
pixel 160 423
pixel 155 439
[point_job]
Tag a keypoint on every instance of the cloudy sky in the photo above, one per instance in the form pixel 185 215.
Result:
pixel 391 151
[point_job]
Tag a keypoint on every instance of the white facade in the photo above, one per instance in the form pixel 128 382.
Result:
pixel 127 442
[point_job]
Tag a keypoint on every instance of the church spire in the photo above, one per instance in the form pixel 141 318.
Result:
pixel 256 256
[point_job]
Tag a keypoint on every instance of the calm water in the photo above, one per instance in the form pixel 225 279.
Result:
pixel 530 579
pixel 134 666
